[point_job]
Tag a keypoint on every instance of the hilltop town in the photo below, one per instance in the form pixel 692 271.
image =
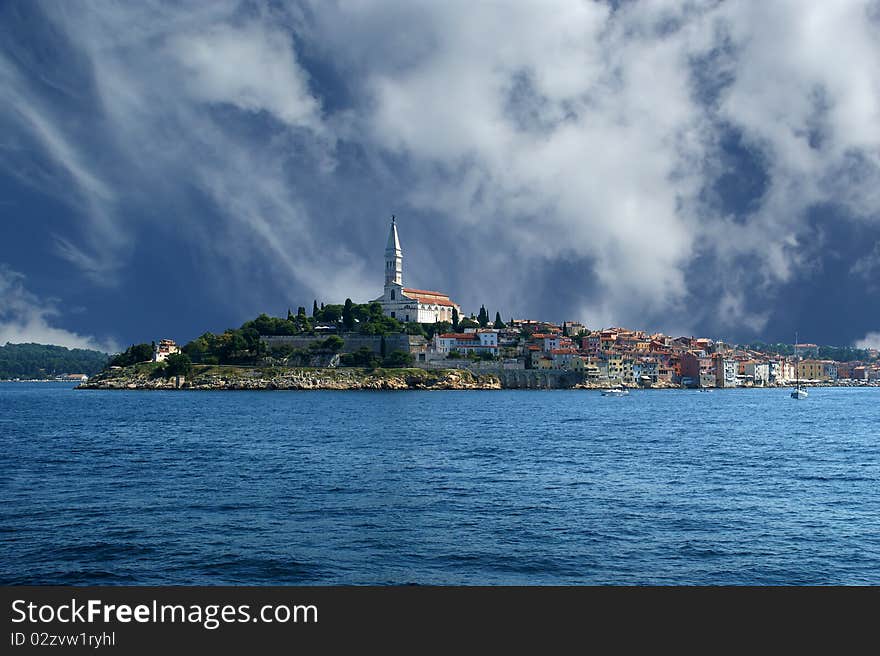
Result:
pixel 418 329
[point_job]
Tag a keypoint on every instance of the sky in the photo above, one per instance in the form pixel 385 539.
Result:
pixel 698 168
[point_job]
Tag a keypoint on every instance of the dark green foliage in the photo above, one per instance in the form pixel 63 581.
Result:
pixel 332 344
pixel 363 357
pixel 178 364
pixel 373 322
pixel 132 355
pixel 414 328
pixel 483 317
pixel 499 324
pixel 438 328
pixel 467 323
pixel 329 313
pixel 455 319
pixel 348 315
pixel 315 308
pixel 42 360
pixel 266 325
pixel 398 358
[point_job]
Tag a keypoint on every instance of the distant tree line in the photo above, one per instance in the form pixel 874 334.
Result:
pixel 44 361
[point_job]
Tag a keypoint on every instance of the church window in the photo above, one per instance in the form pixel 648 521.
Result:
pixel 392 314
pixel 392 296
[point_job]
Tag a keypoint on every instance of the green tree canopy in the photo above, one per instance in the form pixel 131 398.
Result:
pixel 178 364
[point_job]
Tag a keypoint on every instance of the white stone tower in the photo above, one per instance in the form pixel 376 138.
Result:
pixel 393 258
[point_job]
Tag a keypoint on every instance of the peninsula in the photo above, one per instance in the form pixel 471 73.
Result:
pixel 418 339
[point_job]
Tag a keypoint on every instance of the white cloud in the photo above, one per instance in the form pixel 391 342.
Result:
pixel 26 318
pixel 869 341
pixel 543 131
pixel 251 66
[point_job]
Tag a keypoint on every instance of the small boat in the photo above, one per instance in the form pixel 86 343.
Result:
pixel 616 391
pixel 798 392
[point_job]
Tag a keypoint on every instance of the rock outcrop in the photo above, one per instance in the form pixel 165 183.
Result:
pixel 208 377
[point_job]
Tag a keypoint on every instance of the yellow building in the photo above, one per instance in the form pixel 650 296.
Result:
pixel 812 370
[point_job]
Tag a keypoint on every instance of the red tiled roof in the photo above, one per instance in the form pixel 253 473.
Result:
pixel 428 298
pixel 459 335
pixel 424 292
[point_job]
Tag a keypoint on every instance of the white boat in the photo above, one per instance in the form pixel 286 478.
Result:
pixel 798 392
pixel 616 391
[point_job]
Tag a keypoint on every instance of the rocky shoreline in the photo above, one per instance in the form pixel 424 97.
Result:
pixel 144 376
pixel 207 377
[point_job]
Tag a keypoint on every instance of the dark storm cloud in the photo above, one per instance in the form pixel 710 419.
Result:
pixel 646 164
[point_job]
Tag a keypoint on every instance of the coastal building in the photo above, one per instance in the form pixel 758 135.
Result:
pixel 697 369
pixel 725 371
pixel 817 370
pixel 163 349
pixel 405 303
pixel 479 341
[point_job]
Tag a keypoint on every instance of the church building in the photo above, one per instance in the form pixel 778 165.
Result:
pixel 406 304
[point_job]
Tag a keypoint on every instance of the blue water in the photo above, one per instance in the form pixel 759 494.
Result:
pixel 510 487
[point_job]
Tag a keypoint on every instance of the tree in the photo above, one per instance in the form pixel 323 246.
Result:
pixel 467 323
pixel 415 328
pixel 178 364
pixel 348 315
pixel 499 324
pixel 334 343
pixel 300 312
pixel 438 328
pixel 289 315
pixel 315 308
pixel 132 355
pixel 363 357
pixel 483 317
pixel 454 318
pixel 398 358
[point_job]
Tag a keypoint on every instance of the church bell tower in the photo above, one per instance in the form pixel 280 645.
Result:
pixel 393 257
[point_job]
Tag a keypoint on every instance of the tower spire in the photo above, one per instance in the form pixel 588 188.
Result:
pixel 393 256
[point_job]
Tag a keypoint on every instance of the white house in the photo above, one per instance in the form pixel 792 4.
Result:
pixel 479 341
pixel 163 349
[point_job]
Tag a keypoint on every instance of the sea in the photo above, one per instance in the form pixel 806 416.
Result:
pixel 511 487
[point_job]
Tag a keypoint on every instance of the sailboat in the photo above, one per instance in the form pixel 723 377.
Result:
pixel 797 392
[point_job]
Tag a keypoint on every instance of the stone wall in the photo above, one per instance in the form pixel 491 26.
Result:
pixel 351 342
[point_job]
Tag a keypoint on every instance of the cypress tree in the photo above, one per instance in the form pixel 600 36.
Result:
pixel 483 317
pixel 454 319
pixel 348 315
pixel 498 322
pixel 315 308
pixel 289 315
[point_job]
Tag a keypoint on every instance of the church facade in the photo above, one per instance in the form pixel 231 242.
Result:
pixel 404 303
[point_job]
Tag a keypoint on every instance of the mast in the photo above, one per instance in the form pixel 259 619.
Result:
pixel 797 372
